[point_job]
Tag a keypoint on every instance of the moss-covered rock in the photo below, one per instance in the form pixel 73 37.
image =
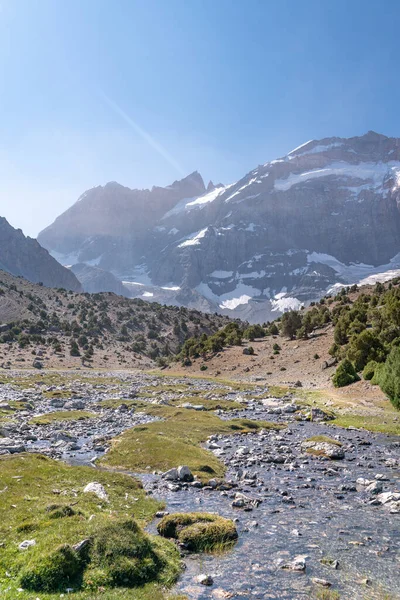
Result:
pixel 199 532
pixel 55 571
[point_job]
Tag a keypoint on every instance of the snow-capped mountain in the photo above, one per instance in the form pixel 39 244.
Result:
pixel 326 213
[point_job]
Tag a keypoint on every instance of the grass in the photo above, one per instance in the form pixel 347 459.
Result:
pixel 63 415
pixel 199 532
pixel 325 439
pixel 43 499
pixel 370 422
pixel 327 595
pixel 116 402
pixel 377 415
pixel 30 378
pixel 176 440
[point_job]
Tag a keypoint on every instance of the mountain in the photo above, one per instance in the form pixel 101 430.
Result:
pixel 24 256
pixel 325 214
pixel 96 280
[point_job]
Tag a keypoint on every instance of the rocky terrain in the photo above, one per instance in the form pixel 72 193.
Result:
pixel 53 328
pixel 315 505
pixel 324 214
pixel 23 256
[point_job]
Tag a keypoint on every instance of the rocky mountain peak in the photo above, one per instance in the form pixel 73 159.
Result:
pixel 326 213
pixel 23 256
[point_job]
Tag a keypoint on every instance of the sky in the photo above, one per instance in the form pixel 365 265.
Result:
pixel 144 92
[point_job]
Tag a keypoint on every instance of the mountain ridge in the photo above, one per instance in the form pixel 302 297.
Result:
pixel 326 213
pixel 24 256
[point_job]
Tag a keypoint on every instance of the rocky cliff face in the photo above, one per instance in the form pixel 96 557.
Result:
pixel 94 280
pixel 20 255
pixel 326 213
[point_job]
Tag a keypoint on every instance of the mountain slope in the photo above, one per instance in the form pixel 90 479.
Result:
pixel 110 330
pixel 24 256
pixel 324 214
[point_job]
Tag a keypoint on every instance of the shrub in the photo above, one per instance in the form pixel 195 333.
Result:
pixel 345 374
pixel 291 322
pixel 389 378
pixel 369 370
pixel 74 350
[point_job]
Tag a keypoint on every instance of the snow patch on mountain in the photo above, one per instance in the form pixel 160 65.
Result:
pixel 301 146
pixel 235 302
pixel 283 303
pixel 376 172
pixel 317 149
pixel 195 240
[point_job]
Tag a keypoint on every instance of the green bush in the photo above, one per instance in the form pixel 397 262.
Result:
pixel 345 374
pixel 369 370
pixel 390 377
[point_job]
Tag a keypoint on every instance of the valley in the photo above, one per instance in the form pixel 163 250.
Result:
pixel 306 523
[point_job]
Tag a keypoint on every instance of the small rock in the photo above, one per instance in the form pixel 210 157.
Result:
pixel 27 544
pixel 96 488
pixel 204 579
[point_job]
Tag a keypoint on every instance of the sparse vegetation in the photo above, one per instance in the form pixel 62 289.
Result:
pixel 176 440
pixel 90 546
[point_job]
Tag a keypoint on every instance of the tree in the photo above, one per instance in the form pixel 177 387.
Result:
pixel 74 349
pixel 389 379
pixel 364 348
pixel 291 322
pixel 345 374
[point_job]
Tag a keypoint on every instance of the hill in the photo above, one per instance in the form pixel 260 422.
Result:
pixel 57 328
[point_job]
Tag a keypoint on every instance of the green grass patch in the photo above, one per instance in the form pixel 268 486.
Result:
pixel 175 441
pixel 63 415
pixel 199 532
pixel 325 439
pixel 116 403
pixel 385 423
pixel 43 500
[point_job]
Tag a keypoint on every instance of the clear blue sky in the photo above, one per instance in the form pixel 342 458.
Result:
pixel 142 91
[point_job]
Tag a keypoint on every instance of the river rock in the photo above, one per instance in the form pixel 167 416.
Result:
pixel 184 473
pixel 204 579
pixel 325 449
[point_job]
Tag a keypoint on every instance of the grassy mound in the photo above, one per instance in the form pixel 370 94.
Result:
pixel 176 440
pixel 63 415
pixel 80 542
pixel 325 439
pixel 199 532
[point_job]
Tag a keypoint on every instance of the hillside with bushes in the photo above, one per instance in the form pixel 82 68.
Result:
pixel 59 328
pixel 360 328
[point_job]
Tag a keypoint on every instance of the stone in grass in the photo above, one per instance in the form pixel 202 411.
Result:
pixel 27 544
pixel 97 489
pixel 199 532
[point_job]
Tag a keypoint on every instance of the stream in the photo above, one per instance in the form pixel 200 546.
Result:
pixel 303 509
